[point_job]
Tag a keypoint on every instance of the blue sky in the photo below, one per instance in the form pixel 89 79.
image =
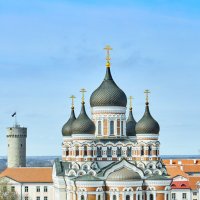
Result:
pixel 50 49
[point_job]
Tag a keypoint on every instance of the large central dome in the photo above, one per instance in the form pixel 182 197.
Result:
pixel 108 93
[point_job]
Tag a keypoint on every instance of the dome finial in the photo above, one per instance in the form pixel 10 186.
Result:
pixel 147 92
pixel 108 48
pixel 131 105
pixel 72 97
pixel 83 95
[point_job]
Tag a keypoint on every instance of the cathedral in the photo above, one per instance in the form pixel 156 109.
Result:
pixel 110 156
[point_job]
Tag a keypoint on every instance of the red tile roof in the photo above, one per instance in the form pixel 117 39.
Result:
pixel 29 175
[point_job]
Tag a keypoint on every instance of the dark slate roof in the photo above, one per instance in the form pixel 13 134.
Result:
pixel 157 177
pixel 130 124
pixel 83 124
pixel 67 128
pixel 147 124
pixel 108 93
pixel 61 167
pixel 87 177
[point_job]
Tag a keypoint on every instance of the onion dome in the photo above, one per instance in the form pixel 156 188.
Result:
pixel 108 93
pixel 130 123
pixel 83 124
pixel 147 124
pixel 123 174
pixel 67 128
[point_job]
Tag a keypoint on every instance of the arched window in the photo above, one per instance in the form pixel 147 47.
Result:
pixel 122 128
pixel 149 151
pixel 82 197
pixel 119 151
pixel 151 197
pixel 114 197
pixel 142 150
pixel 67 151
pixel 92 152
pixel 109 151
pixel 85 151
pixel 99 151
pixel 76 151
pixel 99 197
pixel 157 152
pixel 111 127
pixel 129 151
pixel 128 197
pixel 99 127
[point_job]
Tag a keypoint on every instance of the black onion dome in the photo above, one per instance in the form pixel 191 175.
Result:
pixel 130 124
pixel 108 93
pixel 67 128
pixel 147 124
pixel 83 124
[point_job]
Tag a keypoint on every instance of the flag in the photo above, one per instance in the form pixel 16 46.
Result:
pixel 13 114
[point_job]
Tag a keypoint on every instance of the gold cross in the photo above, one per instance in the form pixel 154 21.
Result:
pixel 108 49
pixel 83 94
pixel 72 97
pixel 130 99
pixel 147 92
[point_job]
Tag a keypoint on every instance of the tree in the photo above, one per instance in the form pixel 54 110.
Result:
pixel 6 191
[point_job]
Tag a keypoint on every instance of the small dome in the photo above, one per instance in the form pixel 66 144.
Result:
pixel 123 174
pixel 83 124
pixel 130 124
pixel 147 124
pixel 67 128
pixel 108 93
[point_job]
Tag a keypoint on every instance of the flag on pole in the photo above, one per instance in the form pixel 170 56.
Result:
pixel 13 114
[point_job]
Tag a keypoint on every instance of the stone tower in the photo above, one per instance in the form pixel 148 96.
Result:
pixel 16 137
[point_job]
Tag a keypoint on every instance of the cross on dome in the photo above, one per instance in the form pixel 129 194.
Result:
pixel 108 49
pixel 72 98
pixel 83 94
pixel 147 92
pixel 130 99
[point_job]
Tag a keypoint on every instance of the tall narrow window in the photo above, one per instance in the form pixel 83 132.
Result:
pixel 142 150
pixel 114 197
pixel 76 151
pixel 157 152
pixel 82 197
pixel 67 151
pixel 167 196
pixel 151 197
pixel 99 197
pixel 138 197
pixel 85 151
pixel 45 189
pixel 92 151
pixel 26 189
pixel 109 151
pixel 119 151
pixel 99 150
pixel 111 127
pixel 122 128
pixel 128 197
pixel 173 195
pixel 129 151
pixel 184 196
pixel 149 151
pixel 99 127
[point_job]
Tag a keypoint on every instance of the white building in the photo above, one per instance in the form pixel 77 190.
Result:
pixel 29 183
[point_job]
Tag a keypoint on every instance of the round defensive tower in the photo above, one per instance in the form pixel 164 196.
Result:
pixel 16 138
